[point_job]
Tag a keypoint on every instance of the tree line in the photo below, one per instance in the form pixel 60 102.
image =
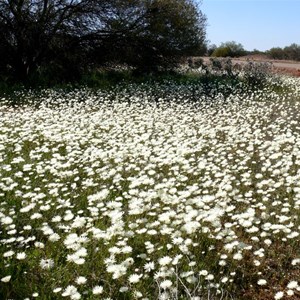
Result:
pixel 62 39
pixel 291 52
pixel 234 49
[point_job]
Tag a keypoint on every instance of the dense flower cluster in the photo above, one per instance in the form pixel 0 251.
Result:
pixel 145 198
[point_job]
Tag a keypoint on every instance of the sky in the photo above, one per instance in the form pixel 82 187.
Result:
pixel 256 24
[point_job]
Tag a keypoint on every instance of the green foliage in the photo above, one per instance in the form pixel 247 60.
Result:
pixel 59 40
pixel 256 51
pixel 167 31
pixel 229 49
pixel 276 53
pixel 221 52
pixel 291 52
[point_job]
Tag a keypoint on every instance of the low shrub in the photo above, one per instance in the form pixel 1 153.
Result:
pixel 256 73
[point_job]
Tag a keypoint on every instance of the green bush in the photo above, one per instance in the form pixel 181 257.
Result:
pixel 229 49
pixel 276 53
pixel 222 52
pixel 291 52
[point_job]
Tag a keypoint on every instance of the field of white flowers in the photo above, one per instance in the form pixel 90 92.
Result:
pixel 151 192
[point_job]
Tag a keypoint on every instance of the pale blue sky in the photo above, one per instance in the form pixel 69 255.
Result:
pixel 259 24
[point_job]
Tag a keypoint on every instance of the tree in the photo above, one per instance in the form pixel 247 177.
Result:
pixel 153 33
pixel 221 52
pixel 292 52
pixel 231 49
pixel 43 34
pixel 276 53
pixel 30 27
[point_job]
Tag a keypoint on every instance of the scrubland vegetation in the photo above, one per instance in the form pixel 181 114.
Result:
pixel 291 52
pixel 234 49
pixel 159 190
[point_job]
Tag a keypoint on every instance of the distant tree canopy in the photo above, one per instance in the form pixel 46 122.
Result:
pixel 229 49
pixel 291 52
pixel 65 37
